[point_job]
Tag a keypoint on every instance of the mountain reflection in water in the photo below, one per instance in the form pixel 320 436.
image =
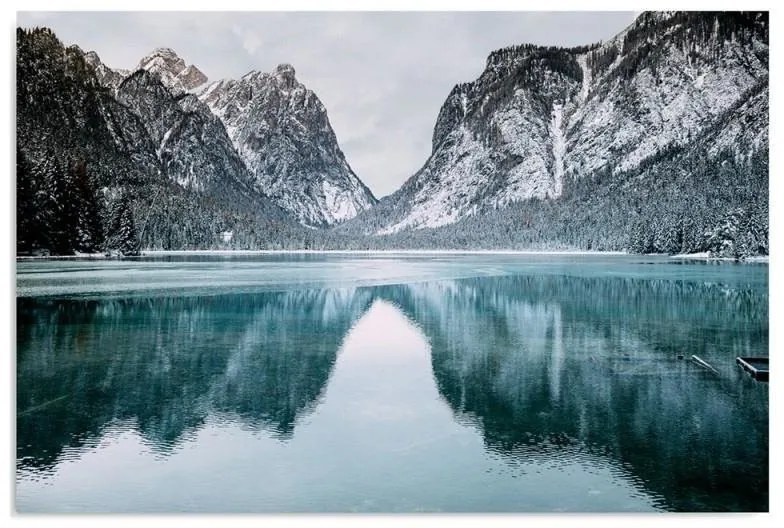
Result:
pixel 389 388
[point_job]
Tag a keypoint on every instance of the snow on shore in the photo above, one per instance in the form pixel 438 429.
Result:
pixel 152 253
pixel 227 252
pixel 706 256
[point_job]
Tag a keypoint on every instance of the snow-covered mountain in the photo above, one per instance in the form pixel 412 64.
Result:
pixel 539 118
pixel 165 64
pixel 191 143
pixel 655 141
pixel 281 130
pixel 278 128
pixel 95 156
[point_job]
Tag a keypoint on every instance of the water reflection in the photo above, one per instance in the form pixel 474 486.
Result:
pixel 552 371
pixel 167 363
pixel 543 363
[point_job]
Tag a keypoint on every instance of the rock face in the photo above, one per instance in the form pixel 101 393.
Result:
pixel 539 118
pixel 191 77
pixel 107 76
pixel 277 127
pixel 165 64
pixel 281 131
pixel 191 143
pixel 83 147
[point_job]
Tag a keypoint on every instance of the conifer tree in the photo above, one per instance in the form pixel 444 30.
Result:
pixel 28 228
pixel 121 234
pixel 89 233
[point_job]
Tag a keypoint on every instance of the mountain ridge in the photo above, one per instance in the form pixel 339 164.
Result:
pixel 653 141
pixel 277 126
pixel 540 117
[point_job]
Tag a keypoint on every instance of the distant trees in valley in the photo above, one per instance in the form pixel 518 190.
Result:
pixel 677 204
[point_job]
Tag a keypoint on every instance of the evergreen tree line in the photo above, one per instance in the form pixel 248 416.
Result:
pixel 60 213
pixel 681 201
pixel 675 203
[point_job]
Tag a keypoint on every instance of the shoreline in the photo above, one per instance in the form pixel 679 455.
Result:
pixel 230 252
pixel 377 251
pixel 705 256
pixel 175 252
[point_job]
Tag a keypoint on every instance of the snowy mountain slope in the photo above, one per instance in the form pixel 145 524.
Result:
pixel 84 149
pixel 674 74
pixel 191 143
pixel 109 77
pixel 281 131
pixel 539 118
pixel 498 139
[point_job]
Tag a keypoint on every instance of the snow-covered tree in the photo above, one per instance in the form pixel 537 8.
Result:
pixel 121 237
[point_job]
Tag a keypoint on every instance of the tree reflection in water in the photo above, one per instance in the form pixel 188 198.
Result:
pixel 545 367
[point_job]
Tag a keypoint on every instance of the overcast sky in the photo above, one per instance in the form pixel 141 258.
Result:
pixel 382 76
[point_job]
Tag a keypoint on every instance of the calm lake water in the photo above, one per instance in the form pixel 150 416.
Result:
pixel 391 383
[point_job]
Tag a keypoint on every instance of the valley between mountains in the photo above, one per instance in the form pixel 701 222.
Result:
pixel 655 141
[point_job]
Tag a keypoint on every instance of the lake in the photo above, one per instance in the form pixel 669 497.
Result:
pixel 390 383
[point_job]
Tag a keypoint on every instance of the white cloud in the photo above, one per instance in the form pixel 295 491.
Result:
pixel 250 40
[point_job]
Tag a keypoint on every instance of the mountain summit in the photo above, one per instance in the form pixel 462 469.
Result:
pixel 281 130
pixel 543 121
pixel 165 64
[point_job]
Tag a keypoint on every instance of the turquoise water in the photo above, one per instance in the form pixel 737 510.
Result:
pixel 392 383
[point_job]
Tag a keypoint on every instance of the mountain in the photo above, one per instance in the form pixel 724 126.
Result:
pixel 191 143
pixel 167 66
pixel 137 166
pixel 543 123
pixel 276 125
pixel 281 131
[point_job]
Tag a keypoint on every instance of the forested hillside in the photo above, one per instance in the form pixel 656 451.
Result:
pixel 654 141
pixel 85 160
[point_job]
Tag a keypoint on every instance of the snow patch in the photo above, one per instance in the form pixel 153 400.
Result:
pixel 582 60
pixel 338 204
pixel 558 140
pixel 707 256
pixel 160 148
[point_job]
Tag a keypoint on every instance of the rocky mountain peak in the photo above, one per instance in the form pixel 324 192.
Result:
pixel 93 59
pixel 172 70
pixel 162 58
pixel 285 71
pixel 106 76
pixel 281 130
pixel 285 74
